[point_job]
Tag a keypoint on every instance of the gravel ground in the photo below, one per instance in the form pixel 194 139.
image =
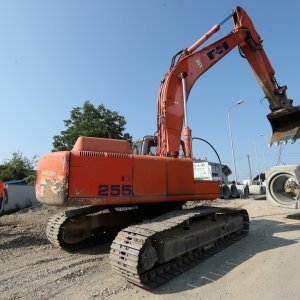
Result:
pixel 264 265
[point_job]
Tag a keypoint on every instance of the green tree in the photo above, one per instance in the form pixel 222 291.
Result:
pixel 18 167
pixel 91 121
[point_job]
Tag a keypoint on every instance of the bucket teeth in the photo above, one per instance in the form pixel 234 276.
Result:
pixel 281 143
pixel 285 125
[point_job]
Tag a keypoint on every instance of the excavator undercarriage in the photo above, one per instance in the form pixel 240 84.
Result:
pixel 147 250
pixel 152 252
pixel 77 228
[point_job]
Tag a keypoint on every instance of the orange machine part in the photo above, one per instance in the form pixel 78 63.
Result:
pixel 107 178
pixel 100 175
pixel 83 177
pixel 193 63
pixel 52 178
pixel 149 175
pixel 92 144
pixel 1 189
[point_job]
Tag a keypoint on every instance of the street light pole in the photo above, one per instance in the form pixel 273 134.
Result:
pixel 257 161
pixel 230 135
pixel 249 169
pixel 264 157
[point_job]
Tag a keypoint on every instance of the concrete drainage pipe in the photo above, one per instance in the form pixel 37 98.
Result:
pixel 243 191
pixel 225 191
pixel 256 190
pixel 283 187
pixel 233 190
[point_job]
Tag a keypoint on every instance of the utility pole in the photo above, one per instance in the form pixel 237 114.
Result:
pixel 249 169
pixel 259 178
pixel 230 135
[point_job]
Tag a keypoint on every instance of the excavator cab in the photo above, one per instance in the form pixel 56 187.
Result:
pixel 145 146
pixel 285 125
pixel 148 146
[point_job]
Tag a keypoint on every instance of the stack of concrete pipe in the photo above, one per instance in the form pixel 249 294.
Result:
pixel 234 191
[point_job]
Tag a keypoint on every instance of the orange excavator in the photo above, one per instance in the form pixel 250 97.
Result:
pixel 140 191
pixel 1 196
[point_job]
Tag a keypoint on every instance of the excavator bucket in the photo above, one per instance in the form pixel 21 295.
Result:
pixel 285 124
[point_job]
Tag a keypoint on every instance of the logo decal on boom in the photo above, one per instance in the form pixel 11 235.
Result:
pixel 218 50
pixel 199 63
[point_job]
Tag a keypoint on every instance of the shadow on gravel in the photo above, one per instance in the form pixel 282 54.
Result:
pixel 293 216
pixel 99 246
pixel 23 240
pixel 261 238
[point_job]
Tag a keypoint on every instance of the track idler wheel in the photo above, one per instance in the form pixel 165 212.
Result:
pixel 148 257
pixel 76 230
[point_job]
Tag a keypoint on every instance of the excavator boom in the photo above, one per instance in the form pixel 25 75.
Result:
pixel 192 63
pixel 284 117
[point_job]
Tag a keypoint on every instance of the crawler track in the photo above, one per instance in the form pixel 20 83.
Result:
pixel 55 226
pixel 134 245
pixel 75 228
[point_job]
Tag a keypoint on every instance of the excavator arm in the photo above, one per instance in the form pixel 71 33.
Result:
pixel 192 63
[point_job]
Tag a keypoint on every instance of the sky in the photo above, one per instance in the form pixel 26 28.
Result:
pixel 54 55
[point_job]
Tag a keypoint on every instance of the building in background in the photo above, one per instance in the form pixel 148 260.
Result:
pixel 16 194
pixel 205 170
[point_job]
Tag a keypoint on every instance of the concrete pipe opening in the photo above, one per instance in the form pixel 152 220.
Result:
pixel 243 191
pixel 225 191
pixel 233 191
pixel 284 188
